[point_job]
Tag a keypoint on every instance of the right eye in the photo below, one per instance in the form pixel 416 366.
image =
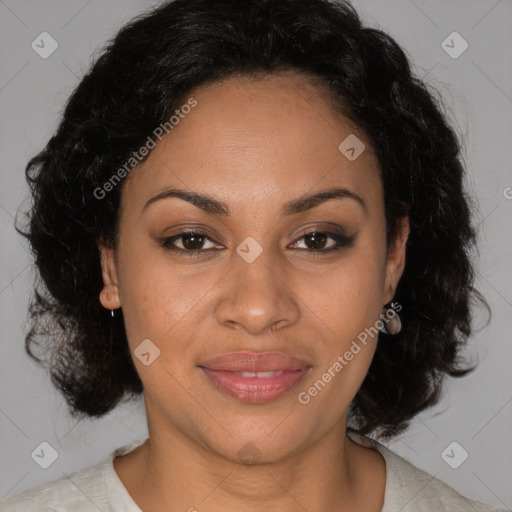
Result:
pixel 192 243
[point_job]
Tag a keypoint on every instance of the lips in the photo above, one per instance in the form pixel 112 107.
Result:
pixel 254 362
pixel 254 377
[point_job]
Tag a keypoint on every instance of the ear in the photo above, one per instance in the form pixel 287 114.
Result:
pixel 395 263
pixel 109 295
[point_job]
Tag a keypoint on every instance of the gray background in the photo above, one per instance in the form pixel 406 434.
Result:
pixel 476 411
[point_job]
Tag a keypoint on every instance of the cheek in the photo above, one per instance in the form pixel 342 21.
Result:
pixel 346 306
pixel 165 301
pixel 156 299
pixel 347 296
pixel 346 303
pixel 159 305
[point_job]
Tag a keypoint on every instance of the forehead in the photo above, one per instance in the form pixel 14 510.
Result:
pixel 261 139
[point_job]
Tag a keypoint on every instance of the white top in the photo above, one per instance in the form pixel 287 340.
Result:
pixel 98 488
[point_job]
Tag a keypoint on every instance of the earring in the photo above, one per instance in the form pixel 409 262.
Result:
pixel 111 311
pixel 391 323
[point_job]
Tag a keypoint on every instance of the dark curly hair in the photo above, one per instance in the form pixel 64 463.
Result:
pixel 140 78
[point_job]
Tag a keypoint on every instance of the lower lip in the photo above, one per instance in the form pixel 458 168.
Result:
pixel 254 390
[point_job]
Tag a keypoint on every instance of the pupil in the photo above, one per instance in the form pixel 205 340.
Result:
pixel 197 239
pixel 318 240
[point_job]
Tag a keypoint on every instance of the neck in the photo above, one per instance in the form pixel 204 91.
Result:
pixel 172 472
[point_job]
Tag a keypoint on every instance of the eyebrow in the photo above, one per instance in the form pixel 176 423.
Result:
pixel 214 206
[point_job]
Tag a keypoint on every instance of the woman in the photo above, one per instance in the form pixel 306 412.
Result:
pixel 255 217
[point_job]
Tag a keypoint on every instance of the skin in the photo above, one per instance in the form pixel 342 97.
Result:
pixel 254 144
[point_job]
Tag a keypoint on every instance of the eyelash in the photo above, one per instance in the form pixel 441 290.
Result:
pixel 341 240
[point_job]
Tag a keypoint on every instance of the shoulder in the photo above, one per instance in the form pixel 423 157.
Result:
pixel 93 489
pixel 408 488
pixel 80 491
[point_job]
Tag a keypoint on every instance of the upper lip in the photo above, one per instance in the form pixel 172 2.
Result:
pixel 254 362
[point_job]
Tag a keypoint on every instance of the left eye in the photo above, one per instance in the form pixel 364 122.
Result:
pixel 316 240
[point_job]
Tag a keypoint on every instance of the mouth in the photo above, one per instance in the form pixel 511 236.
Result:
pixel 254 377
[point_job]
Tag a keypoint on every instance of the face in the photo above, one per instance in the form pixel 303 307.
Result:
pixel 258 281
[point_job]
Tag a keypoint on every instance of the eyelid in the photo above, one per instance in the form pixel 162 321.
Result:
pixel 327 227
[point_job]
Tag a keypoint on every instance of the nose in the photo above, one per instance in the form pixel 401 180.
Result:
pixel 257 297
